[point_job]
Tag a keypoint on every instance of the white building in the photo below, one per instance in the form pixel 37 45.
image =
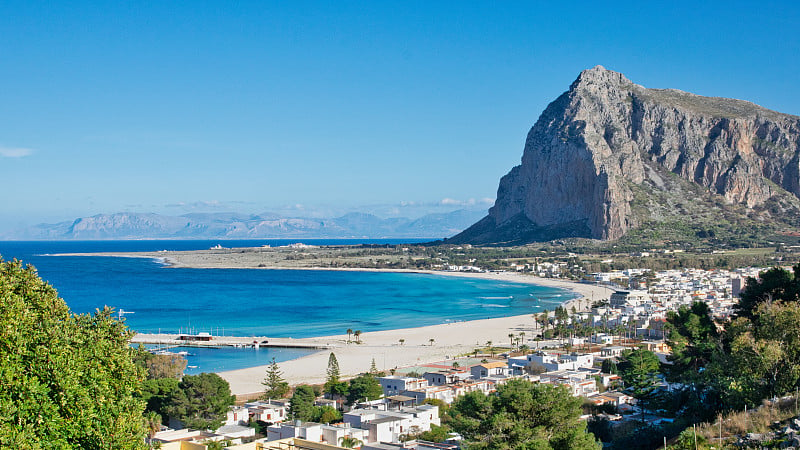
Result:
pixel 388 426
pixel 620 299
pixel 395 384
pixel 492 369
pixel 551 361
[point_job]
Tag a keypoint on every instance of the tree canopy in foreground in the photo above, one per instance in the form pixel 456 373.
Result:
pixel 522 415
pixel 68 380
pixel 201 401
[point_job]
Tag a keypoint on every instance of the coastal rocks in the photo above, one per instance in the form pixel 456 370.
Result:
pixel 606 139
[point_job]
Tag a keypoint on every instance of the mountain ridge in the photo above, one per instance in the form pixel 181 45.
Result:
pixel 603 149
pixel 130 225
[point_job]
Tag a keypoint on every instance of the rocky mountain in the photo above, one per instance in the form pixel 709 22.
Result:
pixel 232 226
pixel 609 158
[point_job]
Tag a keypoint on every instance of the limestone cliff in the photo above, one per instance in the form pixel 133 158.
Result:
pixel 605 141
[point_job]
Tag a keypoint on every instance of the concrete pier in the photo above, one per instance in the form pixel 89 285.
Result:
pixel 236 341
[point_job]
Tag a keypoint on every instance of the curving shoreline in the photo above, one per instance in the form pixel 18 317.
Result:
pixel 450 340
pixel 384 347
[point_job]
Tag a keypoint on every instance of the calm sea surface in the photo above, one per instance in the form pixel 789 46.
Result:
pixel 251 302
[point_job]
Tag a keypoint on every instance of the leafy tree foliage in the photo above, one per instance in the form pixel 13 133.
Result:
pixel 201 401
pixel 274 384
pixel 158 393
pixel 610 366
pixel 362 387
pixel 762 357
pixel 327 414
pixel 302 403
pixel 435 434
pixel 68 381
pixel 776 284
pixel 522 415
pixel 349 442
pixel 160 366
pixel 693 337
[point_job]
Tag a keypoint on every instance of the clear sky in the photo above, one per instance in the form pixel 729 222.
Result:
pixel 173 107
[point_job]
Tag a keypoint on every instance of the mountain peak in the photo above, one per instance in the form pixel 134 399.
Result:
pixel 610 156
pixel 599 75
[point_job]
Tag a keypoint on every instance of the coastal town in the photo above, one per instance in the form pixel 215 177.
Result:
pixel 577 346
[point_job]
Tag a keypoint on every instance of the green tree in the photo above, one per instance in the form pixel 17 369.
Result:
pixel 301 405
pixel 562 316
pixel 274 384
pixel 349 442
pixel 160 366
pixel 762 357
pixel 158 393
pixel 349 332
pixel 776 284
pixel 522 415
pixel 693 338
pixel 327 414
pixel 639 369
pixel 68 381
pixel 357 335
pixel 609 366
pixel 201 401
pixel 362 387
pixel 435 434
pixel 373 368
pixel 334 387
pixel 153 421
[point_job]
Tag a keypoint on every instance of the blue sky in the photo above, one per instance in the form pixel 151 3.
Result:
pixel 322 107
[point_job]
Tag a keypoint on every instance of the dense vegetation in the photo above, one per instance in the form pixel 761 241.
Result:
pixel 68 381
pixel 201 401
pixel 521 415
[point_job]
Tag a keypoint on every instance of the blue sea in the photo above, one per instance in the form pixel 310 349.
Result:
pixel 253 302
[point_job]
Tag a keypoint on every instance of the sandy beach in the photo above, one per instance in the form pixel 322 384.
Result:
pixel 449 340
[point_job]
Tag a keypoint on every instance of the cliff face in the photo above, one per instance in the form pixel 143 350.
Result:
pixel 595 145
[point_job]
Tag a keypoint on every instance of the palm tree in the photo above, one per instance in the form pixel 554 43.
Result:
pixel 349 442
pixel 402 341
pixel 544 318
pixel 349 332
pixel 357 335
pixel 456 365
pixel 511 336
pixel 153 420
pixel 431 341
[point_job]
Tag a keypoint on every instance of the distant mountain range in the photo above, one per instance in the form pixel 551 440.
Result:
pixel 127 225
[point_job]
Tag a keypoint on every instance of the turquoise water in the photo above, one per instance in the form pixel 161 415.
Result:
pixel 203 359
pixel 276 303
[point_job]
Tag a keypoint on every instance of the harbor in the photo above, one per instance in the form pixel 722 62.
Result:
pixel 207 340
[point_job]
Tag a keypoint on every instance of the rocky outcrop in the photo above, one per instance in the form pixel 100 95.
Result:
pixel 596 143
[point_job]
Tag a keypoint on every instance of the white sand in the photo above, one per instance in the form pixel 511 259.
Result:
pixel 384 347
